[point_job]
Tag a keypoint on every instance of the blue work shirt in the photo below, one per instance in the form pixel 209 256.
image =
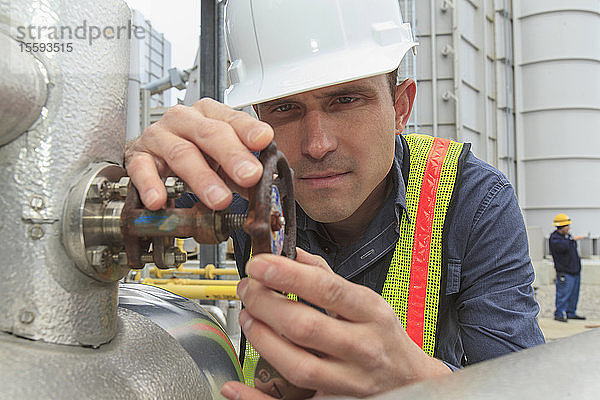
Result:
pixel 564 253
pixel 489 307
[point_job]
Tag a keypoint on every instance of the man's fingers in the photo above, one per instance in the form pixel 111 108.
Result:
pixel 233 390
pixel 255 134
pixel 317 286
pixel 187 162
pixel 141 167
pixel 298 366
pixel 183 158
pixel 193 142
pixel 217 139
pixel 304 325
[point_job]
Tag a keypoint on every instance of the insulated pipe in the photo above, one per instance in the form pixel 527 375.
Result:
pixel 562 369
pixel 201 292
pixel 82 125
pixel 23 90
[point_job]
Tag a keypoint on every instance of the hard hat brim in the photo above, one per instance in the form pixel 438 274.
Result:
pixel 562 223
pixel 303 77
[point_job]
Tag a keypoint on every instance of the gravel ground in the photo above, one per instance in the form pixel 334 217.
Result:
pixel 588 305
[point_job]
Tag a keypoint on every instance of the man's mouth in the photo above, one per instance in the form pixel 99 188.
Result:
pixel 323 179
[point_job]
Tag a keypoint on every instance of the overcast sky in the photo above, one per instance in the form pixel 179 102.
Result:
pixel 179 20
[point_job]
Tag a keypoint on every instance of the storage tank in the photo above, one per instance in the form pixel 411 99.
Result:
pixel 557 94
pixel 464 69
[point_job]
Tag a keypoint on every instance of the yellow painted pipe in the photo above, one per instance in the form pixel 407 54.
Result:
pixel 189 282
pixel 201 292
pixel 210 271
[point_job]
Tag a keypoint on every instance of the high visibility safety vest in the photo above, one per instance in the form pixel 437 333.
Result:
pixel 413 282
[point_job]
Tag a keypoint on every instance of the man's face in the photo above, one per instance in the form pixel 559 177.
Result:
pixel 339 140
pixel 565 230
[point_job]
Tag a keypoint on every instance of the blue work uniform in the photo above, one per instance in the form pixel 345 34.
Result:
pixel 567 264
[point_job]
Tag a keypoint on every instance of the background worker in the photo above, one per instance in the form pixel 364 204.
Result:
pixel 419 276
pixel 567 264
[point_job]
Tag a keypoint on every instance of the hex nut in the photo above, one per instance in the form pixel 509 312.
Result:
pixel 106 190
pixel 120 258
pixel 97 186
pixel 100 258
pixel 175 186
pixel 121 188
pixel 147 258
pixel 180 256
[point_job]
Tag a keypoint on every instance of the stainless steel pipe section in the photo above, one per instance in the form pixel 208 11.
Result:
pixel 562 369
pixel 43 296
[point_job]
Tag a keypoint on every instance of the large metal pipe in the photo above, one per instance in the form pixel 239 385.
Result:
pixel 23 88
pixel 83 123
pixel 564 369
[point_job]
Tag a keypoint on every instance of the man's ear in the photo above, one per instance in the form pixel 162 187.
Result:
pixel 405 98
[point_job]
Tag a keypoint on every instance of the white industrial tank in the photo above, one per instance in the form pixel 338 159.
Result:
pixel 465 76
pixel 557 93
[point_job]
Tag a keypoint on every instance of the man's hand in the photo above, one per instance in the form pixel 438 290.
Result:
pixel 208 145
pixel 360 348
pixel 240 391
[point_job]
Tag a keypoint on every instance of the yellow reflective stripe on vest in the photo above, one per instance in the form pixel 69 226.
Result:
pixel 251 356
pixel 412 285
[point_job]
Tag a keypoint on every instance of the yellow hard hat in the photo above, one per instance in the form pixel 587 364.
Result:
pixel 561 220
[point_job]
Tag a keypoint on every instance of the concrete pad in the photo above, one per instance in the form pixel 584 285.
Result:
pixel 553 330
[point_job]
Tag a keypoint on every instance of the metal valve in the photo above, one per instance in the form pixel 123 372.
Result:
pixel 107 231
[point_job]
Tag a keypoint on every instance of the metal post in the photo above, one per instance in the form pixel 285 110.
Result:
pixel 145 114
pixel 208 49
pixel 434 72
pixel 212 82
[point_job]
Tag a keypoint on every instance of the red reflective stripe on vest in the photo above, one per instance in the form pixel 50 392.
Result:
pixel 415 317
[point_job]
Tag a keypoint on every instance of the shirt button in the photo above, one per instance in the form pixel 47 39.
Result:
pixel 327 249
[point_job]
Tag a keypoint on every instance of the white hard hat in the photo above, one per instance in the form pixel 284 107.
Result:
pixel 281 47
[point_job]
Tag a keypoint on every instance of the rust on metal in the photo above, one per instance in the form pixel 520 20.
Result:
pixel 259 225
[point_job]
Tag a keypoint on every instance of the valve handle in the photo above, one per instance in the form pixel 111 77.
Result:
pixel 271 221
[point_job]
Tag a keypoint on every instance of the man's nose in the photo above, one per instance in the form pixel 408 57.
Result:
pixel 319 135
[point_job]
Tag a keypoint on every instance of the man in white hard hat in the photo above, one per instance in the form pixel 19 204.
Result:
pixel 416 249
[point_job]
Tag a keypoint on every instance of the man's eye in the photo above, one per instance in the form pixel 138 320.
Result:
pixel 283 108
pixel 346 99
